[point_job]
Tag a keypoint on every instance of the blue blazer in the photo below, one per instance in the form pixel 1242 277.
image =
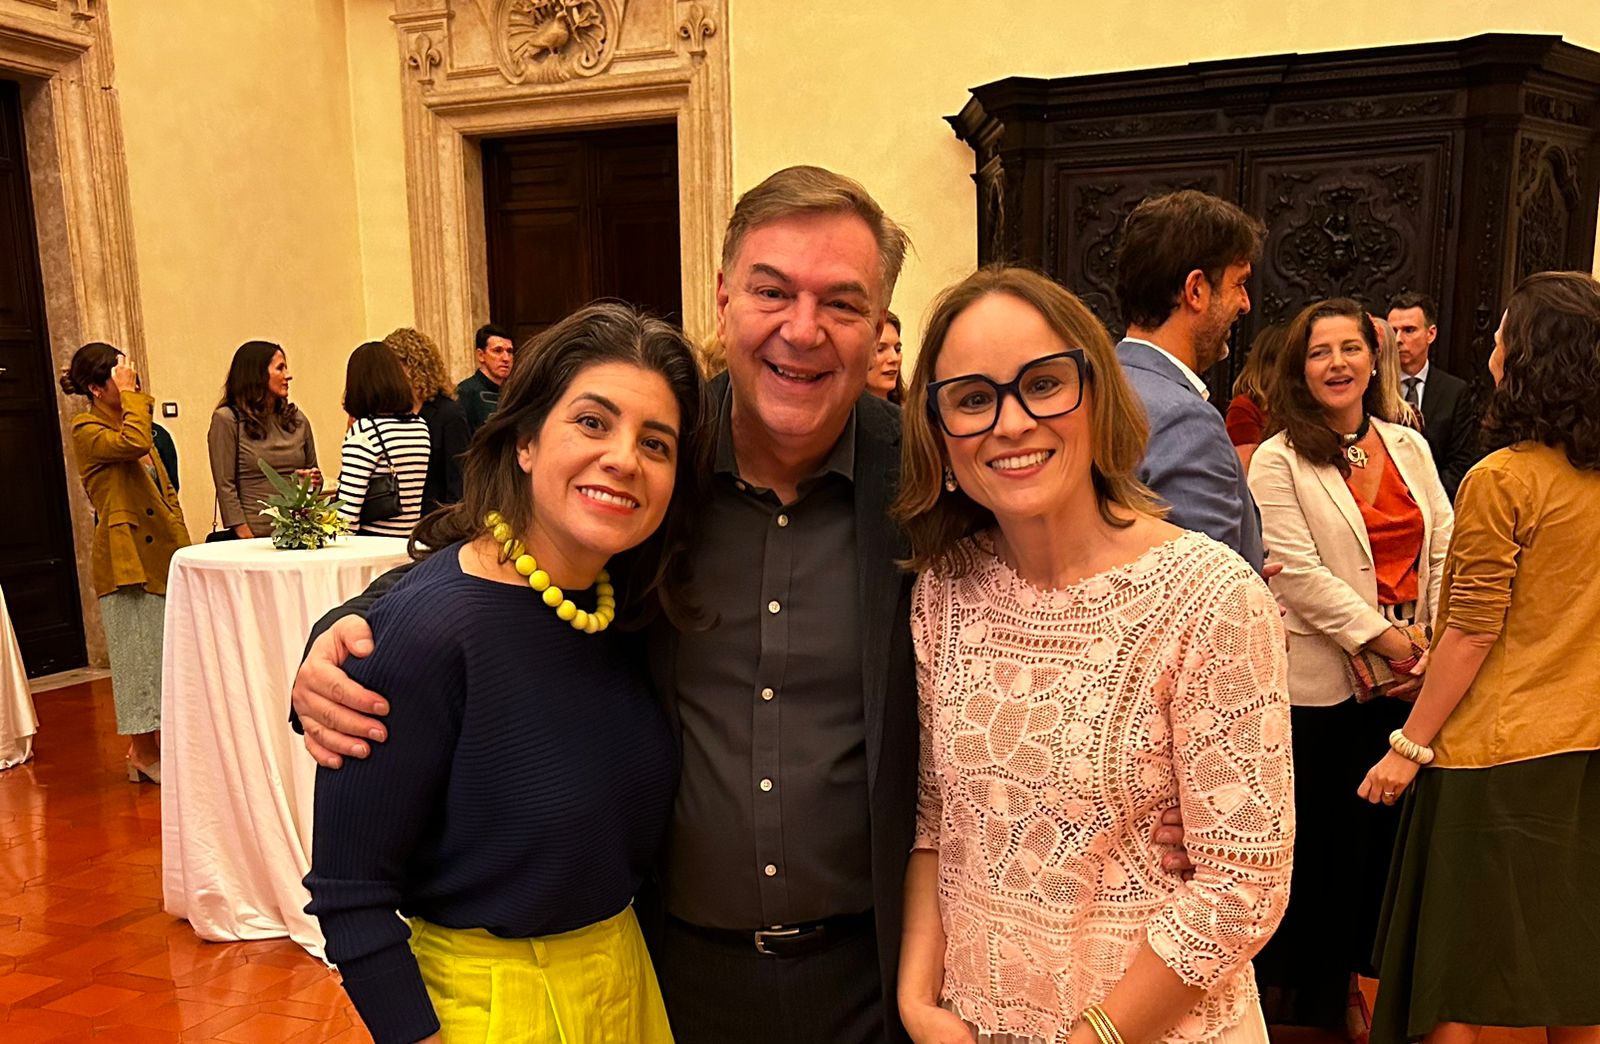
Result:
pixel 1189 462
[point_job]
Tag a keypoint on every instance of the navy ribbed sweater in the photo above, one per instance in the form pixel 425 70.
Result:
pixel 524 787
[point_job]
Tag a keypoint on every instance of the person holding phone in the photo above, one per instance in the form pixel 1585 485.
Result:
pixel 138 526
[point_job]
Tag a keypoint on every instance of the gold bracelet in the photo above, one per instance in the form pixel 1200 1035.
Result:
pixel 1408 748
pixel 1104 1029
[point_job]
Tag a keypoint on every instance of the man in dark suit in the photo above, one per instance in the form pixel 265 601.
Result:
pixel 1182 265
pixel 782 880
pixel 1449 412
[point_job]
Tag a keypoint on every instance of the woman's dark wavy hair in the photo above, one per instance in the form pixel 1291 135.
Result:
pixel 245 390
pixel 652 577
pixel 1550 391
pixel 1291 406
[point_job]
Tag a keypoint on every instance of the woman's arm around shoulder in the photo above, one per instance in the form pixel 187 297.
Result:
pixel 1232 761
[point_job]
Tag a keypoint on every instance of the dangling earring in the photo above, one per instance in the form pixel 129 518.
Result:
pixel 949 479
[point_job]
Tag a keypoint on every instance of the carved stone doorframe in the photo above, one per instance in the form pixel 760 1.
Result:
pixel 485 68
pixel 60 52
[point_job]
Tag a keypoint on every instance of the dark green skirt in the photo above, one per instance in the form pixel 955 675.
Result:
pixel 1492 913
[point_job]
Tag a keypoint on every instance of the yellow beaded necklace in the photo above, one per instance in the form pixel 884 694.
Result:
pixel 605 609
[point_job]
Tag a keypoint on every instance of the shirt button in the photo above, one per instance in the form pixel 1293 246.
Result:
pixel 783 520
pixel 767 694
pixel 766 784
pixel 740 486
pixel 773 606
pixel 770 870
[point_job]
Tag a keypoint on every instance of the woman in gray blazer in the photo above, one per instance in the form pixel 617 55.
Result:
pixel 1353 510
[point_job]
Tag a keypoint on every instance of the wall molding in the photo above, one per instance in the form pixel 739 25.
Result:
pixel 474 69
pixel 78 170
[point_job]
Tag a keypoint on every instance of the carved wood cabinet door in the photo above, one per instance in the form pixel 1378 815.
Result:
pixel 1348 222
pixel 1093 201
pixel 1451 168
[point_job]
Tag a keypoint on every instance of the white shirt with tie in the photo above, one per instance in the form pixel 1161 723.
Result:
pixel 1419 381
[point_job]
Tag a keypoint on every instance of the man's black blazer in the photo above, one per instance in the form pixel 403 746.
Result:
pixel 888 675
pixel 1450 424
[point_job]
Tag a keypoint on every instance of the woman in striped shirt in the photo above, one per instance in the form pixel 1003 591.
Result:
pixel 384 436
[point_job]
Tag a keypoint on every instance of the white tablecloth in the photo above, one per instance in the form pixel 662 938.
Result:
pixel 236 781
pixel 17 720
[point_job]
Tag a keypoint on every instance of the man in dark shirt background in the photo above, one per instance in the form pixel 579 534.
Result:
pixel 480 393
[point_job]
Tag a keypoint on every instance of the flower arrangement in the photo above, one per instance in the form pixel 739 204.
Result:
pixel 302 517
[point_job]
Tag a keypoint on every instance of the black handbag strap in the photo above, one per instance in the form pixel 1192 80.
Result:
pixel 382 448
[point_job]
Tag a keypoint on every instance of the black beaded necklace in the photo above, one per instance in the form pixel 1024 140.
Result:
pixel 1353 453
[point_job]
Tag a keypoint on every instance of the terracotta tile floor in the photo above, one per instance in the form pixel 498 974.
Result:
pixel 85 951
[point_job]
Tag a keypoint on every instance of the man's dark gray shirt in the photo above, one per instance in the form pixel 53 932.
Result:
pixel 771 824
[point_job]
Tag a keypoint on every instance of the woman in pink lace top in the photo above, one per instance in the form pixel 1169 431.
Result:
pixel 1083 666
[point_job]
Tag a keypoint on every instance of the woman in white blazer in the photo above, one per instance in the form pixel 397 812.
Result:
pixel 1352 508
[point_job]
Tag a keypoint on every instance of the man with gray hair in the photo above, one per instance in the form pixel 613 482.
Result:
pixel 782 876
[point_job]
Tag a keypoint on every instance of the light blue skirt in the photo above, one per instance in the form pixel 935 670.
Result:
pixel 133 619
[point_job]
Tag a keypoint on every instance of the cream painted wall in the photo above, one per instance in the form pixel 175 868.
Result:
pixel 863 87
pixel 373 54
pixel 266 154
pixel 262 207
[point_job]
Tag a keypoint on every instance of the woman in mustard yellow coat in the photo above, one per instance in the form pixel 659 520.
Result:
pixel 138 526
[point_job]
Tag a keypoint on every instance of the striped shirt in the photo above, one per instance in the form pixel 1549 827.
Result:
pixel 407 443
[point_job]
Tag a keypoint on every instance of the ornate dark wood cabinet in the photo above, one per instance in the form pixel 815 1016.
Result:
pixel 1452 168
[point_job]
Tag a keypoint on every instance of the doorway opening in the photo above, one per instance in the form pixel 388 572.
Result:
pixel 38 568
pixel 576 216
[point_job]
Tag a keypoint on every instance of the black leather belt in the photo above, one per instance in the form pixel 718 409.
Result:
pixel 786 940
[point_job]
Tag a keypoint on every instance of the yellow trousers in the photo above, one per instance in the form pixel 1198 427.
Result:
pixel 590 986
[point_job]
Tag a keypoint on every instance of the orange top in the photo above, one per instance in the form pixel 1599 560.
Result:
pixel 1394 529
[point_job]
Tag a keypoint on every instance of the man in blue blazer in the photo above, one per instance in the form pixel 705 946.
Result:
pixel 1182 266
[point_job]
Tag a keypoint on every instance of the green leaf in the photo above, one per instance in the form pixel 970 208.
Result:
pixel 281 484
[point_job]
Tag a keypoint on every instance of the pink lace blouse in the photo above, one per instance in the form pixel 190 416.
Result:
pixel 1056 728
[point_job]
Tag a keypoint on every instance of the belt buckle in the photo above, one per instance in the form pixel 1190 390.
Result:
pixel 763 934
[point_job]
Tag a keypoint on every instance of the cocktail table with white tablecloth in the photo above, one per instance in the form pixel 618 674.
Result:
pixel 236 782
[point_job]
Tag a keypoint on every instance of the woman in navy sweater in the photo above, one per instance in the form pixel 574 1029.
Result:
pixel 529 774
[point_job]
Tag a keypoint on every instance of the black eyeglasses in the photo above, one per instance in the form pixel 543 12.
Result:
pixel 1050 386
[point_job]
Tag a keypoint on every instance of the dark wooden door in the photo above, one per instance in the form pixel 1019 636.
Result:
pixel 576 217
pixel 37 568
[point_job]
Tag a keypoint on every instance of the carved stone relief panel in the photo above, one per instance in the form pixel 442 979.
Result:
pixel 545 41
pixel 1092 205
pixel 487 44
pixel 1346 227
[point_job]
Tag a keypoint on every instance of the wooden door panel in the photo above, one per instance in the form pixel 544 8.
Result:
pixel 1363 223
pixel 548 250
pixel 639 258
pixel 549 173
pixel 37 565
pixel 576 217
